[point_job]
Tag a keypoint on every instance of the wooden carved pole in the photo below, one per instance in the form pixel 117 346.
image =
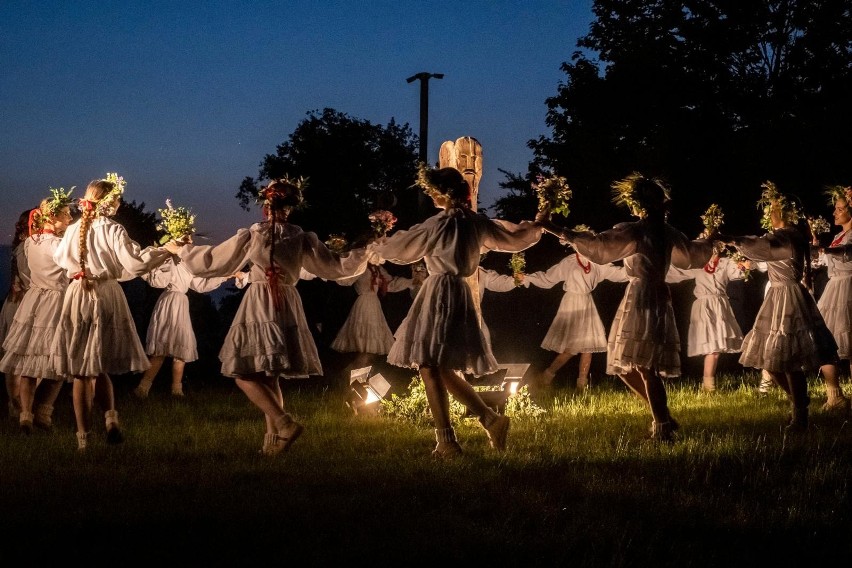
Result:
pixel 465 155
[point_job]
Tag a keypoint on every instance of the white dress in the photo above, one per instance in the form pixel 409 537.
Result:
pixel 577 326
pixel 644 332
pixel 835 304
pixel 789 333
pixel 27 348
pixel 96 333
pixel 496 282
pixel 366 329
pixel 713 327
pixel 170 332
pixel 20 282
pixel 262 337
pixel 442 328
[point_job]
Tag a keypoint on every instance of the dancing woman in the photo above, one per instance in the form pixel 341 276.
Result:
pixel 577 327
pixel 835 303
pixel 441 335
pixel 269 336
pixel 96 335
pixel 643 343
pixel 170 332
pixel 27 348
pixel 788 334
pixel 713 327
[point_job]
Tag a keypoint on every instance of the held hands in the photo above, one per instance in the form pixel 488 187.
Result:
pixel 173 246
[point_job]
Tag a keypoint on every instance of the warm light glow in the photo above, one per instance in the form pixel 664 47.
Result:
pixel 372 396
pixel 513 387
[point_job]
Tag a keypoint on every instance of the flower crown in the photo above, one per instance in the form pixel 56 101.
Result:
pixel 835 192
pixel 625 193
pixel 271 191
pixel 789 211
pixel 429 179
pixel 59 199
pixel 105 203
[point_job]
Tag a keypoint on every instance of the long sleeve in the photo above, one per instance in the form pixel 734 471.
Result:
pixel 135 261
pixel 606 247
pixel 690 254
pixel 496 282
pixel 767 247
pixel 208 261
pixel 676 275
pixel 160 277
pixel 504 236
pixel 550 277
pixel 319 260
pixel 612 272
pixel 204 285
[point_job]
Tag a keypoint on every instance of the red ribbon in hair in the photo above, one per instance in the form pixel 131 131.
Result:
pixel 87 205
pixel 34 214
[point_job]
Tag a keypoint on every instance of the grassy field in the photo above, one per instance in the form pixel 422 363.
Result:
pixel 578 486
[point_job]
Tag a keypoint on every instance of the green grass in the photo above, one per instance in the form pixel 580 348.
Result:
pixel 579 486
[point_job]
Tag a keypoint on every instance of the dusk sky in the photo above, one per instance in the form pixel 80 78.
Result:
pixel 185 98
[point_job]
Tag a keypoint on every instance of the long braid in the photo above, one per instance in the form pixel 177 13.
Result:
pixel 92 205
pixel 85 223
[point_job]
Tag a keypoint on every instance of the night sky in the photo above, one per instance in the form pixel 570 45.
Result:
pixel 185 98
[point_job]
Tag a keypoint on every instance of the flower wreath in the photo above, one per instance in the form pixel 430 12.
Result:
pixel 624 193
pixel 789 211
pixel 270 192
pixel 105 204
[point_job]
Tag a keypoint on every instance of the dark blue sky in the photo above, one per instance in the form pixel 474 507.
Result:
pixel 185 98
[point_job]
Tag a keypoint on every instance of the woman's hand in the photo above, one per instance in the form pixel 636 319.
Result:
pixel 173 246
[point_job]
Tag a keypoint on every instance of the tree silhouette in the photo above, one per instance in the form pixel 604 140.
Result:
pixel 353 167
pixel 715 96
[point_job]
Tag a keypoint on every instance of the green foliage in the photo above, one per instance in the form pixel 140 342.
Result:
pixel 413 406
pixel 522 405
pixel 354 167
pixel 712 95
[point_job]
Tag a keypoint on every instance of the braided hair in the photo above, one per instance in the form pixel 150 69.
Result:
pixel 91 209
pixel 279 198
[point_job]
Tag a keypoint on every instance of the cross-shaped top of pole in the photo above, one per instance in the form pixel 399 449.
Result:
pixel 424 76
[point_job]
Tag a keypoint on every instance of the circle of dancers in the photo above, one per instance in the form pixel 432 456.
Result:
pixel 66 318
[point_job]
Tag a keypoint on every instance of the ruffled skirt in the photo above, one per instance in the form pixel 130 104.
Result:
pixel 263 339
pixel 713 327
pixel 7 316
pixel 96 333
pixel 170 332
pixel 28 344
pixel 835 305
pixel 644 332
pixel 442 330
pixel 789 333
pixel 366 329
pixel 577 327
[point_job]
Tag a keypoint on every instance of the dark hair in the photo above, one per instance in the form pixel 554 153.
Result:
pixel 451 183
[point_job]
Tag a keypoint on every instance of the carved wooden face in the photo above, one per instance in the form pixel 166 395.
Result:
pixel 469 159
